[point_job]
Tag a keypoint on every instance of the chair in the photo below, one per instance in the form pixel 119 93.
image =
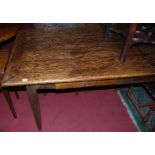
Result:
pixel 7 31
pixel 135 34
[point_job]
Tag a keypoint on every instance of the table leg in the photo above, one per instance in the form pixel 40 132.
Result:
pixel 34 102
pixel 9 101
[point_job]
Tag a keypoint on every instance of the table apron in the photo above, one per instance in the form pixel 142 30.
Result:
pixel 109 82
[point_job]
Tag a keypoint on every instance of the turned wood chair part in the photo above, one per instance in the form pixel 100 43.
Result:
pixel 128 42
pixel 7 31
pixel 135 34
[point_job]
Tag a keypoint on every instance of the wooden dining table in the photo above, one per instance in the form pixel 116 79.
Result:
pixel 73 58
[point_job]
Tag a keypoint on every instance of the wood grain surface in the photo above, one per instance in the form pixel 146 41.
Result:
pixel 82 55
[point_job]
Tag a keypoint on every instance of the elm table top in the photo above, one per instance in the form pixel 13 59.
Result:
pixel 72 55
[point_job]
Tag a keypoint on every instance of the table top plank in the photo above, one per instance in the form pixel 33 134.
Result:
pixel 75 54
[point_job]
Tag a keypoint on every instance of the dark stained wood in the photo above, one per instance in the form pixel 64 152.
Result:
pixel 128 42
pixel 10 103
pixel 7 31
pixel 34 102
pixel 63 56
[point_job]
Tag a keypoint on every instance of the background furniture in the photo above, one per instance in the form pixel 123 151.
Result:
pixel 136 33
pixel 7 31
pixel 3 60
pixel 145 109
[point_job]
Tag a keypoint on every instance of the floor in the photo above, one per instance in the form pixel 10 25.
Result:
pixel 84 111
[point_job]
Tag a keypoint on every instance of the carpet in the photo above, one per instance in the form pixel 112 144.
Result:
pixel 85 111
pixel 141 96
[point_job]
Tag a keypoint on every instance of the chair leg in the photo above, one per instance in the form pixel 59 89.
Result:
pixel 10 103
pixel 128 42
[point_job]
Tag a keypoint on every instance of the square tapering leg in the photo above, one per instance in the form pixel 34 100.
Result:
pixel 34 102
pixel 10 103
